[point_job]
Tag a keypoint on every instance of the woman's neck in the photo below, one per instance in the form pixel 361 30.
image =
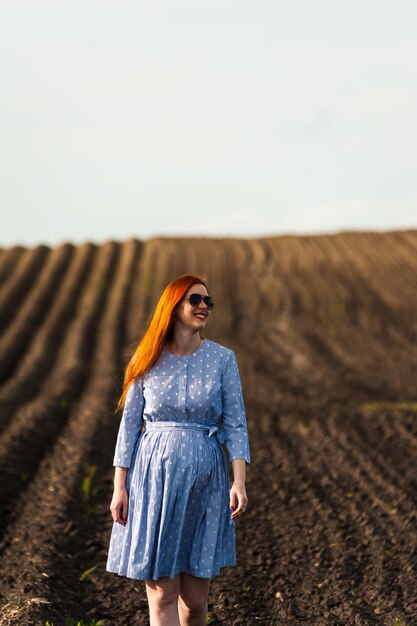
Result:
pixel 183 346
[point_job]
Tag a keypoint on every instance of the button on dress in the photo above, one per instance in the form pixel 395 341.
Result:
pixel 173 424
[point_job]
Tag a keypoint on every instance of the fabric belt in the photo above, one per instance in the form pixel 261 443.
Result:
pixel 210 429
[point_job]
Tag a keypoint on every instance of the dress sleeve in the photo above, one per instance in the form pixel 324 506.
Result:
pixel 130 425
pixel 233 415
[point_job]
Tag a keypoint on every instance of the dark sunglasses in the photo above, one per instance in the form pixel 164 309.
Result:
pixel 196 298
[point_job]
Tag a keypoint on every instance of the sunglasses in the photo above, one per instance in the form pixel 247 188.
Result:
pixel 196 298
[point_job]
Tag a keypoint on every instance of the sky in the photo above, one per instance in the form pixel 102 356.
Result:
pixel 144 118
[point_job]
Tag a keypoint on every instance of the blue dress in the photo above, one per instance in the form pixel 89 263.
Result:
pixel 178 483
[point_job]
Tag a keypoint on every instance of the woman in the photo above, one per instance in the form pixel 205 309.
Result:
pixel 172 523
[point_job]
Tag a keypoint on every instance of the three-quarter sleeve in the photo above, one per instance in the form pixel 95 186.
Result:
pixel 233 412
pixel 130 425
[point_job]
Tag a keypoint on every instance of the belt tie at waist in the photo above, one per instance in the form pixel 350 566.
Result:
pixel 210 429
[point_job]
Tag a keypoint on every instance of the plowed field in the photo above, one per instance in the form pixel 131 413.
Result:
pixel 325 332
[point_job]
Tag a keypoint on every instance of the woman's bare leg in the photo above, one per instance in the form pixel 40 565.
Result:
pixel 193 600
pixel 163 601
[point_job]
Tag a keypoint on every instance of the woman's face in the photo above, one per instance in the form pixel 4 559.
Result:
pixel 193 316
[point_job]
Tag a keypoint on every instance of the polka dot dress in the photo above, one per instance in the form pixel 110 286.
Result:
pixel 173 424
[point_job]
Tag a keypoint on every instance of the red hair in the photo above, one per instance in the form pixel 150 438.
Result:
pixel 159 330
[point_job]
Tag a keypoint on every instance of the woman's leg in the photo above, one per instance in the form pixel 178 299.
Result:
pixel 193 600
pixel 163 601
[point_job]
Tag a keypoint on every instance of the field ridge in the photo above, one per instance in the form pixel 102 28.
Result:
pixel 324 328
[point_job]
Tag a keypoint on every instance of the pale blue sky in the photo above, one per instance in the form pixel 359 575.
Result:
pixel 219 118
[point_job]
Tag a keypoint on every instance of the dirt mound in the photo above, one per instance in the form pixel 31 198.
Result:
pixel 325 332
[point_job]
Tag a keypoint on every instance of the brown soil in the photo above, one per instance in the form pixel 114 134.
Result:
pixel 325 332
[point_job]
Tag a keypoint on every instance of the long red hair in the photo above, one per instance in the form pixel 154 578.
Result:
pixel 159 330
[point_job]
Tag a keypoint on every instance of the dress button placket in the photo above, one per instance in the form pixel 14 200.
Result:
pixel 182 393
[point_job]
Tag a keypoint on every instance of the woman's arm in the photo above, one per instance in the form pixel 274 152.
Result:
pixel 238 466
pixel 238 497
pixel 130 426
pixel 128 436
pixel 233 413
pixel 120 500
pixel 119 477
pixel 235 433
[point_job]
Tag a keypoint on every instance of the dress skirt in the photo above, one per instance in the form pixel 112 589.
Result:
pixel 179 516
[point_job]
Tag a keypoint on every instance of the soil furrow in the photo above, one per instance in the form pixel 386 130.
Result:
pixel 145 288
pixel 35 425
pixel 20 282
pixel 36 363
pixel 373 266
pixel 334 567
pixel 400 431
pixel 19 334
pixel 404 267
pixel 380 530
pixel 65 467
pixel 9 259
pixel 385 457
pixel 372 535
pixel 324 329
pixel 396 506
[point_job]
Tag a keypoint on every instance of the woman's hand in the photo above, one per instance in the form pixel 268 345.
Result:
pixel 238 498
pixel 119 505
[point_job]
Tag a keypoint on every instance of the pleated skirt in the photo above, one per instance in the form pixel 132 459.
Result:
pixel 179 509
